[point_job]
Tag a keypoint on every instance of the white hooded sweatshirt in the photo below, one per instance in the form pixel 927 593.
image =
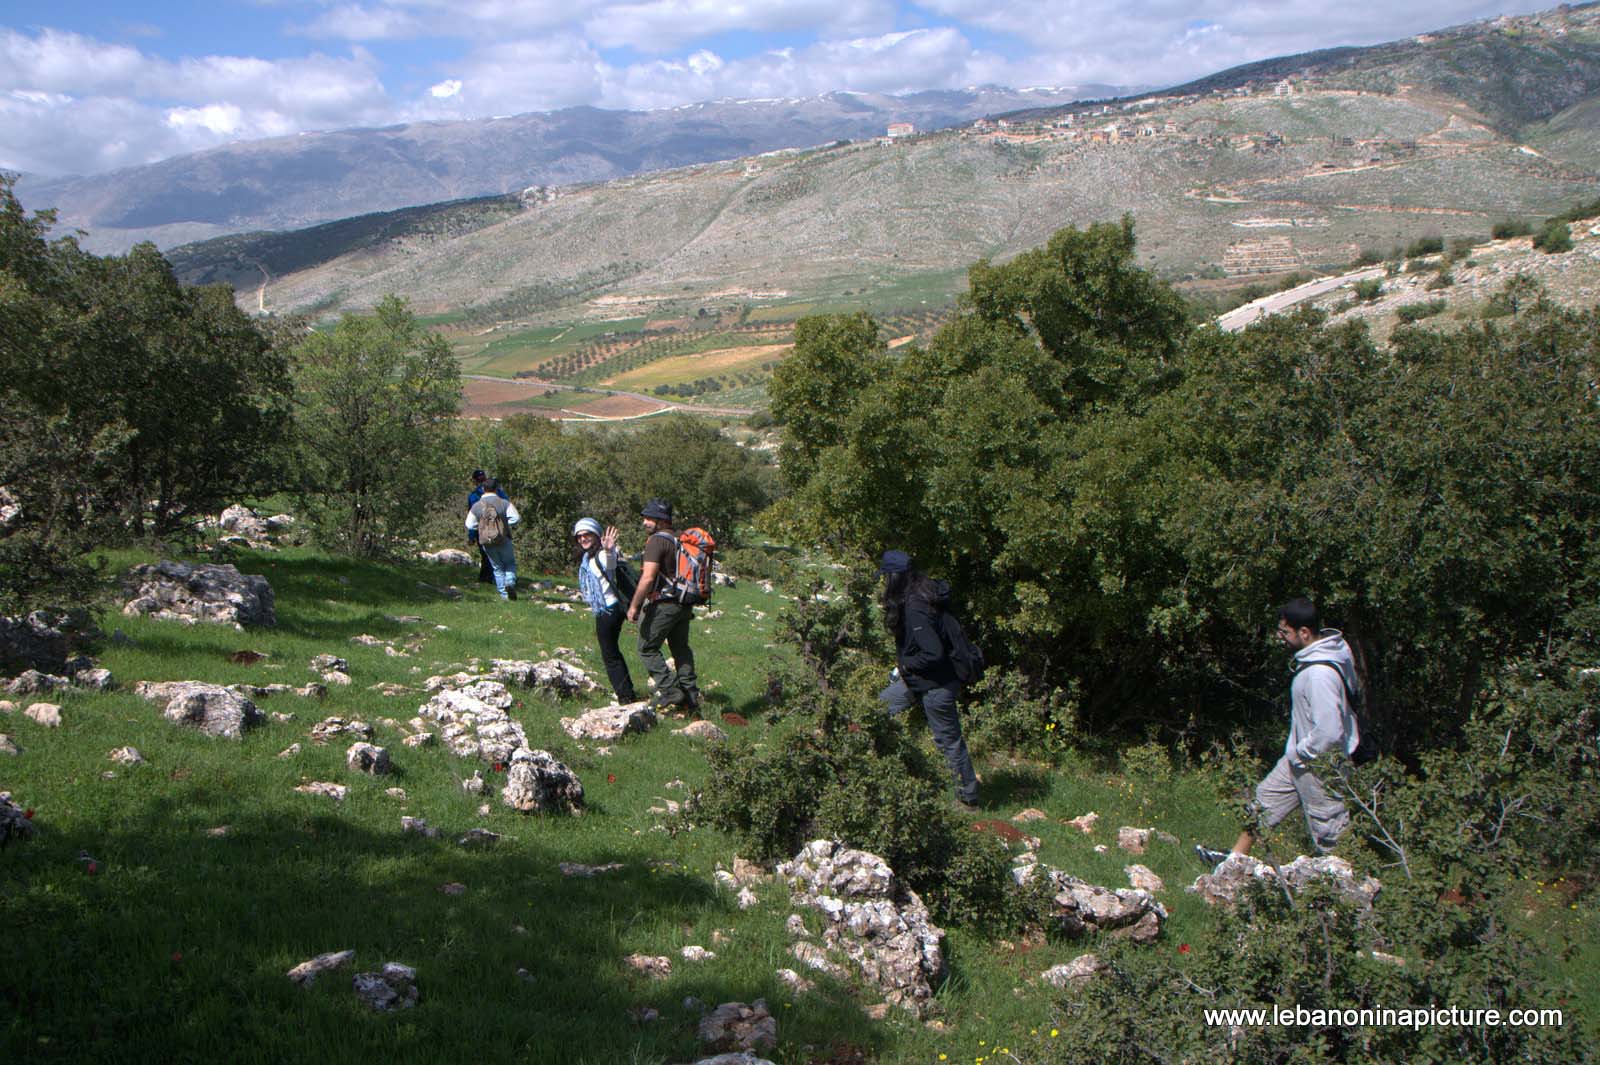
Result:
pixel 1321 717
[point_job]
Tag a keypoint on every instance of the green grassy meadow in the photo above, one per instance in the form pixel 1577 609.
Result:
pixel 212 877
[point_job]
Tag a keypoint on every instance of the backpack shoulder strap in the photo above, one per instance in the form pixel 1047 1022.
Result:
pixel 1344 683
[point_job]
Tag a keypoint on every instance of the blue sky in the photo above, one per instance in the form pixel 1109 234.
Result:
pixel 87 87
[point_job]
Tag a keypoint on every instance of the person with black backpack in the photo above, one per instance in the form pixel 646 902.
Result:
pixel 1322 720
pixel 935 660
pixel 604 580
pixel 663 605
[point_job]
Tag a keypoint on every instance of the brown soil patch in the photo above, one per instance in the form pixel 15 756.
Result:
pixel 737 720
pixel 1006 831
pixel 613 406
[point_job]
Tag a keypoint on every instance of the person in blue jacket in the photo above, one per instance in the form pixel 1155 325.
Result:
pixel 479 478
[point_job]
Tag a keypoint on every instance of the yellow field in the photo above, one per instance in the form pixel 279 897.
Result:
pixel 681 368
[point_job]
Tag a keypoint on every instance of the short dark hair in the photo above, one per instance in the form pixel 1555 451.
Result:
pixel 1300 613
pixel 478 475
pixel 491 485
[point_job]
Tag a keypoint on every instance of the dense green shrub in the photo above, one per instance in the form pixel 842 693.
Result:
pixel 375 405
pixel 1415 312
pixel 1510 228
pixel 1430 245
pixel 130 404
pixel 1368 289
pixel 1554 237
pixel 1008 712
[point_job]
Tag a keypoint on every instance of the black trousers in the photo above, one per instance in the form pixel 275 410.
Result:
pixel 607 627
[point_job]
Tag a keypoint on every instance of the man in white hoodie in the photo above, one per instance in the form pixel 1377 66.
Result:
pixel 1322 720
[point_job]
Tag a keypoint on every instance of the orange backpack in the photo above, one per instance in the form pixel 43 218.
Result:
pixel 690 581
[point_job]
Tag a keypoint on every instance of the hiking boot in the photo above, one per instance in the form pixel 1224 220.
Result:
pixel 669 700
pixel 692 698
pixel 511 593
pixel 969 806
pixel 1213 858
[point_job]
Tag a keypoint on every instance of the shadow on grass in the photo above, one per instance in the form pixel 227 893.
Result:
pixel 174 946
pixel 1013 785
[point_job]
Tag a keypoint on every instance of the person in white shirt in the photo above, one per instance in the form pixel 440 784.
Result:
pixel 598 573
pixel 491 518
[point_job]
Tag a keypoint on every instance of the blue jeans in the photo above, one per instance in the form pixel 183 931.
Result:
pixel 503 560
pixel 939 707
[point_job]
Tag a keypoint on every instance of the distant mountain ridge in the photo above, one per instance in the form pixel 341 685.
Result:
pixel 292 182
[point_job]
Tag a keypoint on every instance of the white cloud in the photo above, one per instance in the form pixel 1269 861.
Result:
pixel 224 119
pixel 445 89
pixel 664 25
pixel 356 22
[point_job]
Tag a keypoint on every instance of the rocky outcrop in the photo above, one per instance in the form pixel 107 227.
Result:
pixel 129 756
pixel 394 988
pixel 1079 970
pixel 33 682
pixel 1238 871
pixel 365 758
pixel 305 974
pixel 1084 907
pixel 473 721
pixel 42 640
pixel 551 674
pixel 537 783
pixel 15 822
pixel 329 727
pixel 610 723
pixel 45 715
pixel 178 591
pixel 211 708
pixel 735 1026
pixel 450 556
pixel 879 925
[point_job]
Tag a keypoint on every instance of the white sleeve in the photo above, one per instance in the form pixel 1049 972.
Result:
pixel 472 521
pixel 512 517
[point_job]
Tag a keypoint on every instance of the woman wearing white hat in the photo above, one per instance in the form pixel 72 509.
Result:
pixel 598 574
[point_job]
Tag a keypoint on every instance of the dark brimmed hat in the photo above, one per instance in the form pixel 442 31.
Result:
pixel 657 510
pixel 478 475
pixel 895 562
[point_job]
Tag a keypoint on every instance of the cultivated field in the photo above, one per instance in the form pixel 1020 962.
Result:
pixel 707 364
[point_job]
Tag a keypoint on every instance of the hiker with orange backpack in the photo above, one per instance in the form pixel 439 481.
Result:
pixel 675 577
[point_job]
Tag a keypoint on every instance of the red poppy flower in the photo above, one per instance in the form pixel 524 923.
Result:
pixel 499 767
pixel 92 868
pixel 611 778
pixel 28 814
pixel 1183 948
pixel 177 955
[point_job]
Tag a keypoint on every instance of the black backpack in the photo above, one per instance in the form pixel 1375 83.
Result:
pixel 965 656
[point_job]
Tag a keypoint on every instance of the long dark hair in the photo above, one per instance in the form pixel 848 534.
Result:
pixel 898 588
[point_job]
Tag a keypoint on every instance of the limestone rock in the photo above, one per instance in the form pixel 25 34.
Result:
pixel 655 966
pixel 327 663
pixel 1143 878
pixel 879 924
pixel 242 521
pixel 478 837
pixel 289 751
pixel 1237 871
pixel 7 706
pixel 538 783
pixel 126 756
pixel 419 739
pixel 47 715
pixel 475 784
pixel 398 794
pixel 367 640
pixel 365 758
pixel 96 679
pixel 211 708
pixel 15 822
pixel 32 682
pixel 1083 907
pixel 610 723
pixel 337 792
pixel 395 988
pixel 1133 840
pixel 552 674
pixel 336 678
pixel 589 871
pixel 305 974
pixel 697 953
pixel 747 899
pixel 177 591
pixel 744 1057
pixel 330 727
pixel 42 640
pixel 701 730
pixel 8 745
pixel 748 872
pixel 734 1026
pixel 474 723
pixel 1077 971
pixel 419 826
pixel 1030 814
pixel 450 556
pixel 1085 822
pixel 814 957
pixel 794 981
